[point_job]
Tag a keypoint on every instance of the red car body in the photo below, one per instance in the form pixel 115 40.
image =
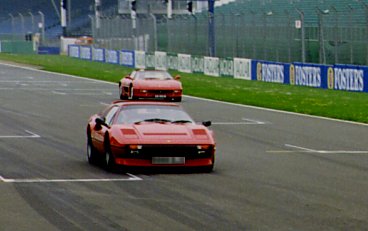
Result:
pixel 148 134
pixel 150 84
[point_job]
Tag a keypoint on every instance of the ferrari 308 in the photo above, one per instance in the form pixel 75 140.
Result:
pixel 149 134
pixel 150 84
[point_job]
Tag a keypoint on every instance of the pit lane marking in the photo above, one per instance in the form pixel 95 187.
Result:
pixel 36 180
pixel 308 150
pixel 30 135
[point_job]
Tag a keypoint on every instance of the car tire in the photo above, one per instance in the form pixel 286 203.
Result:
pixel 208 169
pixel 91 152
pixel 109 161
pixel 177 99
pixel 121 93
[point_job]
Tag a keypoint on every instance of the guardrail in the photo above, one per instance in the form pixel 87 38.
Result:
pixel 336 77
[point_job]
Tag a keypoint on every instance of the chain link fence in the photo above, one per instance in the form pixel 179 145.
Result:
pixel 290 35
pixel 30 28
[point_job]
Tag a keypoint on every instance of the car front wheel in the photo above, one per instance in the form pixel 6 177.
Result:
pixel 177 99
pixel 109 161
pixel 91 152
pixel 122 93
pixel 131 96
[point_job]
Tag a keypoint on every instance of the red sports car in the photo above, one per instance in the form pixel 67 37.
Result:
pixel 151 84
pixel 149 134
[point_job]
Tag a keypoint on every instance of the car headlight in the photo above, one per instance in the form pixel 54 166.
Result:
pixel 135 148
pixel 202 148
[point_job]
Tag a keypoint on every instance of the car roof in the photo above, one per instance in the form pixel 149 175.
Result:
pixel 130 103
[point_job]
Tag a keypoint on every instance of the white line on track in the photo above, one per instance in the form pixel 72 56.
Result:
pixel 30 135
pixel 308 150
pixel 2 179
pixel 247 122
pixel 130 178
pixel 300 148
pixel 58 93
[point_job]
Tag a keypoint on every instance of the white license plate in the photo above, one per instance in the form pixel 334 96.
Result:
pixel 168 160
pixel 160 96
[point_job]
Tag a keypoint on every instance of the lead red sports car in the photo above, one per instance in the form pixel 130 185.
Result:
pixel 150 84
pixel 155 134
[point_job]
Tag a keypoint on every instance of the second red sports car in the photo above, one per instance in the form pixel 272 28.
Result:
pixel 150 84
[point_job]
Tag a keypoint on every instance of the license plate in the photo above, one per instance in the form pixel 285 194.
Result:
pixel 168 160
pixel 160 96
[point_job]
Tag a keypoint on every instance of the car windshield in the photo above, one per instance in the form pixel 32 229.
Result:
pixel 153 75
pixel 136 114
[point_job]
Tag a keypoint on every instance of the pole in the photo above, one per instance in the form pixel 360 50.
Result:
pixel 69 12
pixel 63 8
pixel 169 9
pixel 92 26
pixel 22 22
pixel 322 52
pixel 336 37
pixel 301 13
pixel 32 21
pixel 211 28
pixel 154 31
pixel 42 26
pixel 12 24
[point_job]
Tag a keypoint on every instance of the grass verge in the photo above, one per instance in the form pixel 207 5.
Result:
pixel 343 105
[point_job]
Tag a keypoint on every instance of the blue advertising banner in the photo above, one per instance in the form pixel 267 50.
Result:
pixel 98 54
pixel 127 58
pixel 85 52
pixel 335 77
pixel 308 75
pixel 348 78
pixel 73 51
pixel 272 72
pixel 112 56
pixel 48 50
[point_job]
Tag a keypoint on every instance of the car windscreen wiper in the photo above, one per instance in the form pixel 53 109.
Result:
pixel 154 120
pixel 181 121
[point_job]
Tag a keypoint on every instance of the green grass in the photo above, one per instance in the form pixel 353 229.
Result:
pixel 343 105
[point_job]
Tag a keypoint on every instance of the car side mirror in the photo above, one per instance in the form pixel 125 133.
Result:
pixel 177 77
pixel 207 123
pixel 100 121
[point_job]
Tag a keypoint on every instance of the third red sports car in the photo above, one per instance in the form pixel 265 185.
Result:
pixel 152 84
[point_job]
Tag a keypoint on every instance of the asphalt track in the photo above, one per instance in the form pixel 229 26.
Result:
pixel 274 170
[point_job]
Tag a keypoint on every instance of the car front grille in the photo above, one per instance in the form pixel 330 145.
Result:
pixel 187 151
pixel 158 92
